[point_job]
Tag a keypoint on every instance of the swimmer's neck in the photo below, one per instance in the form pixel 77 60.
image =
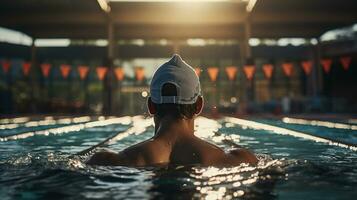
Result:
pixel 172 128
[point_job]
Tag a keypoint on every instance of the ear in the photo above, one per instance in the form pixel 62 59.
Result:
pixel 151 106
pixel 199 105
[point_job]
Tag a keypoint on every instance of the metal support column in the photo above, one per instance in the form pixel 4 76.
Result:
pixel 248 85
pixel 32 78
pixel 318 82
pixel 108 82
pixel 247 35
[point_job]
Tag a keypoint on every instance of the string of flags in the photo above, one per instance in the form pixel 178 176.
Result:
pixel 213 72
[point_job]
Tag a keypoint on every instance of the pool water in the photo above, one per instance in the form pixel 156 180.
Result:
pixel 44 165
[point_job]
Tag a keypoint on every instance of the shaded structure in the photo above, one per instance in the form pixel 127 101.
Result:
pixel 84 19
pixel 174 21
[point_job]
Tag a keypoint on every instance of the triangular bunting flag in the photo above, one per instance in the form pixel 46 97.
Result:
pixel 213 73
pixel 288 69
pixel 6 66
pixel 198 71
pixel 346 61
pixel 307 67
pixel 83 71
pixel 119 73
pixel 65 70
pixel 268 70
pixel 101 72
pixel 26 66
pixel 249 71
pixel 326 65
pixel 231 72
pixel 139 73
pixel 45 69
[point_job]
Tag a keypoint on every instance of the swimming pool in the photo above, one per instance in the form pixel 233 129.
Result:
pixel 39 162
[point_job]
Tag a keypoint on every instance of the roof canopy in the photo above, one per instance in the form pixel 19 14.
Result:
pixel 84 19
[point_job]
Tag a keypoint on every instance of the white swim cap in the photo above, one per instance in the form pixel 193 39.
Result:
pixel 183 76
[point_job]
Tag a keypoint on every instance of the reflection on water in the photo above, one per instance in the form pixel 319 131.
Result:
pixel 42 167
pixel 57 176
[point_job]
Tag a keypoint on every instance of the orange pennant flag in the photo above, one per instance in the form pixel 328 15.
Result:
pixel 268 70
pixel 288 69
pixel 6 66
pixel 249 71
pixel 198 71
pixel 45 68
pixel 119 73
pixel 26 66
pixel 139 73
pixel 83 71
pixel 101 72
pixel 65 70
pixel 326 65
pixel 213 73
pixel 231 72
pixel 345 61
pixel 307 67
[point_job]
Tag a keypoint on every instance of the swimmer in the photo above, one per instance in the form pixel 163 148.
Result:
pixel 175 101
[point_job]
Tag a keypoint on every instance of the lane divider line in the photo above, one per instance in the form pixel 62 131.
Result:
pixel 138 127
pixel 284 131
pixel 14 120
pixel 46 122
pixel 327 124
pixel 69 128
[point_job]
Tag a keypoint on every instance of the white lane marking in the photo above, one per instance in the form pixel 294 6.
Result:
pixel 45 122
pixel 327 124
pixel 69 128
pixel 139 126
pixel 284 131
pixel 14 120
pixel 207 129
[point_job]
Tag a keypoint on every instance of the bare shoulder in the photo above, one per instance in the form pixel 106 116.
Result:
pixel 105 158
pixel 209 153
pixel 131 156
pixel 149 152
pixel 242 155
pixel 214 155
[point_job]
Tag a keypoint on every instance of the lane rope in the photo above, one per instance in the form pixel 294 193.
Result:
pixel 139 126
pixel 67 129
pixel 46 122
pixel 327 124
pixel 284 131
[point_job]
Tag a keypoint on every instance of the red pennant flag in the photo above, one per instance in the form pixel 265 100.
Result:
pixel 288 69
pixel 26 66
pixel 65 70
pixel 6 66
pixel 249 71
pixel 231 72
pixel 139 73
pixel 346 61
pixel 101 72
pixel 213 73
pixel 83 71
pixel 326 65
pixel 119 73
pixel 45 68
pixel 268 70
pixel 198 71
pixel 307 67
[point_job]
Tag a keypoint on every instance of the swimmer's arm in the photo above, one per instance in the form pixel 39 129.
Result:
pixel 106 158
pixel 241 155
pixel 116 159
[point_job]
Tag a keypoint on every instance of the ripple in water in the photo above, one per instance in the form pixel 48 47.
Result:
pixel 49 176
